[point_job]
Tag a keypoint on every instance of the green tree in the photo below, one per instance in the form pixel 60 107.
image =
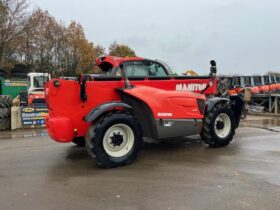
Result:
pixel 121 50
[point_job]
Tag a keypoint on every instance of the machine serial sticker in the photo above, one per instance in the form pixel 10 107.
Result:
pixel 164 114
pixel 190 87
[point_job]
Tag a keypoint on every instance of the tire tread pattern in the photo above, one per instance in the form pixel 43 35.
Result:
pixel 101 156
pixel 208 133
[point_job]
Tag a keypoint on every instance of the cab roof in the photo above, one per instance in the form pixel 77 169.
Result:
pixel 114 60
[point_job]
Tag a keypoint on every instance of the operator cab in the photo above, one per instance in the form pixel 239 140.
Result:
pixel 134 67
pixel 36 81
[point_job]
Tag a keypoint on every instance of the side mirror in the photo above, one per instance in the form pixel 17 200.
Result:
pixel 213 69
pixel 213 63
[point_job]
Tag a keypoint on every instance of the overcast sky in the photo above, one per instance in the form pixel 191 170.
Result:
pixel 241 35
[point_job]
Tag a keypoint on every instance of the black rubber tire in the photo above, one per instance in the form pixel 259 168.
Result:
pixel 5 113
pixel 19 68
pixel 79 141
pixel 208 131
pixel 5 124
pixel 3 74
pixel 96 133
pixel 19 75
pixel 6 101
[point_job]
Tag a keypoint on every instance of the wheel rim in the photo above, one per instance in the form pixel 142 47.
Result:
pixel 222 125
pixel 118 140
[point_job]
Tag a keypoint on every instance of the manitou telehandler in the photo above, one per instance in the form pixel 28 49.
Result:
pixel 137 98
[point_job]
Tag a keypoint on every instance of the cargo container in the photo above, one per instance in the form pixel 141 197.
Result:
pixel 12 87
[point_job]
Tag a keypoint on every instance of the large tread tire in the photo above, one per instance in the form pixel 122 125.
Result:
pixel 19 75
pixel 209 134
pixel 5 113
pixel 5 124
pixel 96 137
pixel 79 141
pixel 6 101
pixel 3 74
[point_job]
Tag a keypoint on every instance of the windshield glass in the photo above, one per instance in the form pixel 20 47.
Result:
pixel 39 81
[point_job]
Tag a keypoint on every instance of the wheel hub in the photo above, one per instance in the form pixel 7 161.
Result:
pixel 220 125
pixel 117 139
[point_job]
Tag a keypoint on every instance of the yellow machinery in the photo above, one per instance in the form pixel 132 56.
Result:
pixel 190 73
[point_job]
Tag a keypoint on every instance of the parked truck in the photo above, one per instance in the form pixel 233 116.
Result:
pixel 34 95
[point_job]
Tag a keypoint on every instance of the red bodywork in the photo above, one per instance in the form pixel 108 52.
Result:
pixel 66 109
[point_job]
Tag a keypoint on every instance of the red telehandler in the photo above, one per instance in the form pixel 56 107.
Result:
pixel 137 98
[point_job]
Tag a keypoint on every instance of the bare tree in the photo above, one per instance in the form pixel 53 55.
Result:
pixel 13 15
pixel 43 44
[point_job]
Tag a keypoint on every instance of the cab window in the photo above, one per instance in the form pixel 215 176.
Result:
pixel 257 80
pixel 266 80
pixel 142 69
pixel 247 81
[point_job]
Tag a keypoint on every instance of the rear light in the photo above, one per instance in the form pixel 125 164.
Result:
pixel 56 83
pixel 201 105
pixel 46 91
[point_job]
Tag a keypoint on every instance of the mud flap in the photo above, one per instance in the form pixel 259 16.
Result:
pixel 237 104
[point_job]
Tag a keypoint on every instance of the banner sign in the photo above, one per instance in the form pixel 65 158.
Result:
pixel 33 116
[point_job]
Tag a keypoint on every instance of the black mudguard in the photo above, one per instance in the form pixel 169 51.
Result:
pixel 236 103
pixel 103 108
pixel 211 102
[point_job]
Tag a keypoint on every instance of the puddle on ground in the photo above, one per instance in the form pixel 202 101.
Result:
pixel 265 122
pixel 25 133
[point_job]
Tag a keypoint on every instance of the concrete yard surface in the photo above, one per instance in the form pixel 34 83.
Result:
pixel 38 173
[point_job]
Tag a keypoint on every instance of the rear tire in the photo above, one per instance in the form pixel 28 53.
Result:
pixel 218 126
pixel 19 75
pixel 5 113
pixel 5 124
pixel 6 101
pixel 115 140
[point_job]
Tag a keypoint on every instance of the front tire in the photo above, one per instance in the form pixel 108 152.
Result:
pixel 115 140
pixel 218 126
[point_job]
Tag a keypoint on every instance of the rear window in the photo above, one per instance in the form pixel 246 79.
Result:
pixel 142 69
